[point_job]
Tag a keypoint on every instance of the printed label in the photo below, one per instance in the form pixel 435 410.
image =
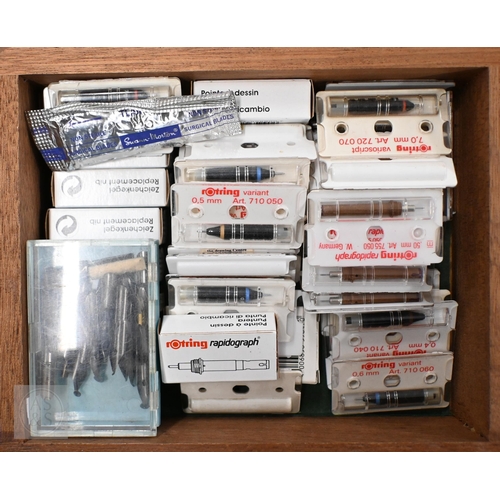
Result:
pixel 150 136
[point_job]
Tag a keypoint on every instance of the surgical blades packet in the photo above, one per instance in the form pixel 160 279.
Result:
pixel 74 135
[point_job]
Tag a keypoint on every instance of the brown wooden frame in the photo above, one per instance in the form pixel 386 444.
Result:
pixel 475 421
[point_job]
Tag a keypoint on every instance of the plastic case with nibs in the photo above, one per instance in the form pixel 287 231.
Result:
pixel 93 308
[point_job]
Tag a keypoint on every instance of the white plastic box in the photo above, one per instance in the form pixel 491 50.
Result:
pixel 390 333
pixel 374 227
pixel 380 123
pixel 390 384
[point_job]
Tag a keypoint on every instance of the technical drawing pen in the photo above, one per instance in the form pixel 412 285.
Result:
pixel 371 106
pixel 384 319
pixel 104 95
pixel 370 274
pixel 220 294
pixel 263 232
pixel 391 399
pixel 368 209
pixel 231 174
pixel 364 298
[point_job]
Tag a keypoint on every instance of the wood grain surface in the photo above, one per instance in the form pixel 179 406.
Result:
pixel 475 421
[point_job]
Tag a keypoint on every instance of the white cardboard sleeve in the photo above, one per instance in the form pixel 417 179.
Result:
pixel 110 188
pixel 266 101
pixel 104 223
pixel 218 347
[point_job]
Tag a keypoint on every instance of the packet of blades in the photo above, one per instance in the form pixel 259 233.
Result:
pixel 74 135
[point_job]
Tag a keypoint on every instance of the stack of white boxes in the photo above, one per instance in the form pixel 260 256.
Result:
pixel 117 199
pixel 94 293
pixel 376 210
pixel 235 335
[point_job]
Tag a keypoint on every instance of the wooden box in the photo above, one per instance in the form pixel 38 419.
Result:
pixel 474 420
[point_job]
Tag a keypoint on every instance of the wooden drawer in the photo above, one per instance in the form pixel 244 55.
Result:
pixel 474 419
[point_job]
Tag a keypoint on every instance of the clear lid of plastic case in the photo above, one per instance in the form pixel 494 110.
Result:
pixel 93 308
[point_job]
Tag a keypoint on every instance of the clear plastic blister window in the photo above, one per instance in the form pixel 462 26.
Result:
pixel 370 275
pixel 234 295
pixel 365 298
pixel 270 171
pixel 230 293
pixel 110 90
pixel 398 331
pixel 238 233
pixel 377 209
pixel 383 105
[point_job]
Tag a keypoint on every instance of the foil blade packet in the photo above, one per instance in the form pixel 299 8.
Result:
pixel 73 135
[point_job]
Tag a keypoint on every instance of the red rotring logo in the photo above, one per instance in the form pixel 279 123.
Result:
pixel 177 344
pixel 332 234
pixel 378 364
pixel 174 344
pixel 375 233
pixel 220 191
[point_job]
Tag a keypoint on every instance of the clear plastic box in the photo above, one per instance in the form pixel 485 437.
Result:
pixel 93 308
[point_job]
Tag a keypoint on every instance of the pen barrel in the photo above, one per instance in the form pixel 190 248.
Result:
pixel 251 232
pixel 367 274
pixel 238 174
pixel 371 209
pixel 372 106
pixel 231 295
pixel 103 95
pixel 378 106
pixel 384 319
pixel 398 399
pixel 364 298
pixel 380 298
